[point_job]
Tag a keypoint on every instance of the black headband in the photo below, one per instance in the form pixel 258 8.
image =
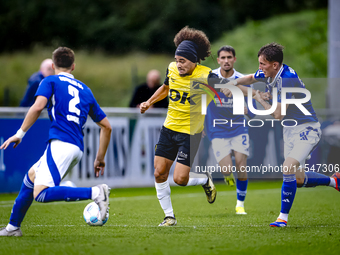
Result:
pixel 188 50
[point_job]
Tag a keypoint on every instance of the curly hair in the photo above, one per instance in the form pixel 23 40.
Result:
pixel 272 52
pixel 196 36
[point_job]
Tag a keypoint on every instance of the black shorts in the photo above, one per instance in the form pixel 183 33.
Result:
pixel 172 143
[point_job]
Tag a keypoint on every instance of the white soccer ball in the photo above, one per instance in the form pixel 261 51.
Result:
pixel 92 215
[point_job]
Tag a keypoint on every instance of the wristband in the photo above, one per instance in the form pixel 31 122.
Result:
pixel 20 133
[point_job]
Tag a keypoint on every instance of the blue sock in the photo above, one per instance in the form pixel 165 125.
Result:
pixel 288 192
pixel 313 179
pixel 241 189
pixel 22 202
pixel 60 193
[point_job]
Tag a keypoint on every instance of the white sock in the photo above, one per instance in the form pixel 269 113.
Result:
pixel 95 192
pixel 283 216
pixel 240 203
pixel 197 179
pixel 332 183
pixel 10 227
pixel 163 195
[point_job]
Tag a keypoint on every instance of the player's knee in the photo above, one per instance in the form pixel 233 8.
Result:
pixel 31 175
pixel 299 182
pixel 160 175
pixel 240 164
pixel 38 193
pixel 181 180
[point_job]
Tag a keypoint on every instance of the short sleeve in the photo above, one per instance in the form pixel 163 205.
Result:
pixel 45 88
pixel 215 79
pixel 166 81
pixel 259 76
pixel 96 113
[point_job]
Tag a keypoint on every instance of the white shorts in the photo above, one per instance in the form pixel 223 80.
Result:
pixel 223 146
pixel 301 140
pixel 59 158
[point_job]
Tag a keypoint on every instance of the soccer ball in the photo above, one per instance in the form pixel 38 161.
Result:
pixel 92 215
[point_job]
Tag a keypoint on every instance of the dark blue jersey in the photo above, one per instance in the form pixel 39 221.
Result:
pixel 69 103
pixel 285 78
pixel 32 86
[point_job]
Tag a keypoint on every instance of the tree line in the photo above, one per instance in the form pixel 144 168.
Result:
pixel 121 26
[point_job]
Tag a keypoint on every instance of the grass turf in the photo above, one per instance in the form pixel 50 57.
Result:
pixel 58 228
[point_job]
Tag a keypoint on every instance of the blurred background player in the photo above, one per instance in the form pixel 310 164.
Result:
pixel 299 140
pixel 69 101
pixel 226 138
pixel 144 91
pixel 34 81
pixel 179 136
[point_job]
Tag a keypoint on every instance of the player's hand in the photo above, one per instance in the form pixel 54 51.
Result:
pixel 99 166
pixel 257 95
pixel 265 96
pixel 226 92
pixel 245 110
pixel 144 106
pixel 12 139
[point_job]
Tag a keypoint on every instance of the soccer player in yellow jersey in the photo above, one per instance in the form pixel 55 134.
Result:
pixel 181 133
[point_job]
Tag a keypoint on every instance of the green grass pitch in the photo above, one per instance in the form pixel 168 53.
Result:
pixel 59 228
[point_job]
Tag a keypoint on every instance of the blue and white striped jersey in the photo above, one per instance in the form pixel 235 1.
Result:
pixel 285 78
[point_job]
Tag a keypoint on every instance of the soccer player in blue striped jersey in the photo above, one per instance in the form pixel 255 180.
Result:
pixel 300 138
pixel 227 137
pixel 69 102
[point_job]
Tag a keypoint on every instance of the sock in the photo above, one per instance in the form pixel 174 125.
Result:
pixel 163 195
pixel 241 189
pixel 60 193
pixel 283 216
pixel 239 203
pixel 10 227
pixel 288 192
pixel 22 203
pixel 332 183
pixel 313 179
pixel 197 179
pixel 94 192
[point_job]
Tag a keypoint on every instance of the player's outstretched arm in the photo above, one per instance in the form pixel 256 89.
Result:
pixel 31 117
pixel 104 140
pixel 245 80
pixel 160 94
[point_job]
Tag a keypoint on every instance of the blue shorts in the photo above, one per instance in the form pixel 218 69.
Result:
pixel 172 144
